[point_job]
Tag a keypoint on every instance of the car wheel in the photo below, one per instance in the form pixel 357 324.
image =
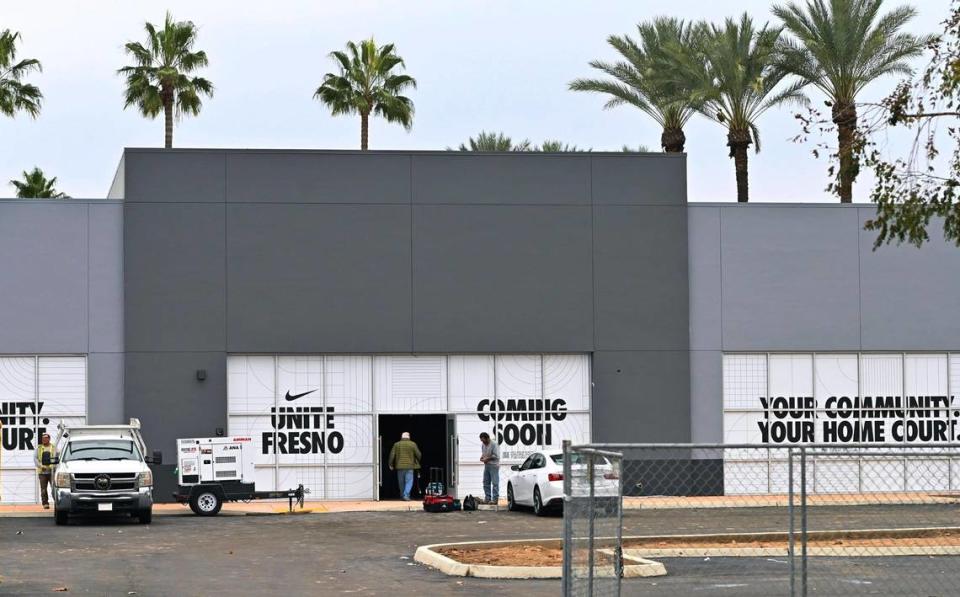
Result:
pixel 511 503
pixel 61 517
pixel 206 503
pixel 538 508
pixel 145 516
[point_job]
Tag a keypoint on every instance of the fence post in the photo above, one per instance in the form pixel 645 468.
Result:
pixel 567 587
pixel 592 524
pixel 792 551
pixel 803 521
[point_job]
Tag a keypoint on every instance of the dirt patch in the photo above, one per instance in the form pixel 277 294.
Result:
pixel 522 554
pixel 513 555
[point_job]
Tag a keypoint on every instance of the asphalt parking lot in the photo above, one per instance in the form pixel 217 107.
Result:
pixel 370 553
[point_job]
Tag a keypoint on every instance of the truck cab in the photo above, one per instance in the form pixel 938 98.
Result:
pixel 102 470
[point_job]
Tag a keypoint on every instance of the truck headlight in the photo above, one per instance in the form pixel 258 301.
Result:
pixel 62 480
pixel 145 479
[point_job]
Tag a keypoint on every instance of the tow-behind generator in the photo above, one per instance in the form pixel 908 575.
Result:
pixel 214 470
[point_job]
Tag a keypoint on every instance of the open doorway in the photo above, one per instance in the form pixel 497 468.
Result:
pixel 430 434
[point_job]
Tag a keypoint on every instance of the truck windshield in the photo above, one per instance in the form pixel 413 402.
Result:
pixel 101 449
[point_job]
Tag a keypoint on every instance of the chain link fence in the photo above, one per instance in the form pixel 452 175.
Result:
pixel 747 520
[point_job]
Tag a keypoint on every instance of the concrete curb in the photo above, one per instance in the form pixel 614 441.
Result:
pixel 427 556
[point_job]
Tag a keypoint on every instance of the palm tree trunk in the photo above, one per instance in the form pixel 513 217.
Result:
pixel 364 130
pixel 739 143
pixel 845 117
pixel 672 140
pixel 168 120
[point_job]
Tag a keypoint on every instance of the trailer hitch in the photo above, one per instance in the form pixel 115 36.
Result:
pixel 297 494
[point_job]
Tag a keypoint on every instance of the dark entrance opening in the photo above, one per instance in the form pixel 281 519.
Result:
pixel 430 434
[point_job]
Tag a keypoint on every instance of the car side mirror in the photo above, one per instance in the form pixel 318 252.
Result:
pixel 157 458
pixel 515 467
pixel 47 460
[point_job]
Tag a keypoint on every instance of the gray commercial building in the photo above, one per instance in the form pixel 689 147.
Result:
pixel 321 302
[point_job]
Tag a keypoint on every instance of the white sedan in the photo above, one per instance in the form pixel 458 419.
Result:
pixel 538 482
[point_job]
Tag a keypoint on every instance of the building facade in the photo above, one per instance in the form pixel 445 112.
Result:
pixel 324 302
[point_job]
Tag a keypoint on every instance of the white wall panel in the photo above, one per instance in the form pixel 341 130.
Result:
pixel 62 385
pixel 567 376
pixel 357 433
pixel 18 486
pixel 350 482
pixel 744 380
pixel 471 379
pixel 348 383
pixel 250 384
pixel 410 384
pixel 519 376
pixel 36 394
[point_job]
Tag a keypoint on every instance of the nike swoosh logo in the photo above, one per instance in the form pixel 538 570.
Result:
pixel 295 396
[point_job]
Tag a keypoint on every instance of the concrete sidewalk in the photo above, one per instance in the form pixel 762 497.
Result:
pixel 260 507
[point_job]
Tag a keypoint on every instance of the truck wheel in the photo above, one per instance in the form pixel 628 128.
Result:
pixel 61 517
pixel 145 516
pixel 206 503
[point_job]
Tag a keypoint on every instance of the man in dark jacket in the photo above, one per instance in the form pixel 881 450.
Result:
pixel 405 459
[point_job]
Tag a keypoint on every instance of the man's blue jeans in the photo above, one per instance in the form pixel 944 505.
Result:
pixel 491 481
pixel 405 481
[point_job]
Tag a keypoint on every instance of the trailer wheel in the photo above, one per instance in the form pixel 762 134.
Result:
pixel 206 503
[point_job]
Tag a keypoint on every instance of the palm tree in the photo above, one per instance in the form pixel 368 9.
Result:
pixel 35 185
pixel 841 46
pixel 160 78
pixel 736 71
pixel 15 95
pixel 557 146
pixel 494 142
pixel 367 84
pixel 641 78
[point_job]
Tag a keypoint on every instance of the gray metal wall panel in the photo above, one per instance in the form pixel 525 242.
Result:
pixel 106 277
pixel 174 278
pixel 520 178
pixel 641 396
pixel 909 296
pixel 502 278
pixel 163 392
pixel 706 282
pixel 790 278
pixel 174 176
pixel 319 278
pixel 641 278
pixel 43 273
pixel 706 396
pixel 639 180
pixel 105 388
pixel 318 178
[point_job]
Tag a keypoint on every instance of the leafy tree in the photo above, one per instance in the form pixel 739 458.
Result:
pixel 159 80
pixel 641 78
pixel 494 142
pixel 920 182
pixel 367 83
pixel 840 47
pixel 35 185
pixel 15 95
pixel 737 71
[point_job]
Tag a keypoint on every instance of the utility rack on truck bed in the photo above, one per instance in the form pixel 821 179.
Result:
pixel 214 470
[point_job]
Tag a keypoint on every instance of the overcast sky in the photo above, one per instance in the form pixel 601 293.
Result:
pixel 497 65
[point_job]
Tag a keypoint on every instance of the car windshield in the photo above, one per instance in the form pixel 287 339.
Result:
pixel 577 458
pixel 101 449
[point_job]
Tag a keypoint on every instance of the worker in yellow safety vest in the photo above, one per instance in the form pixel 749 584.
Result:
pixel 44 472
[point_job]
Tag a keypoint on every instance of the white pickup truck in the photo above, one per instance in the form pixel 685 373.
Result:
pixel 102 469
